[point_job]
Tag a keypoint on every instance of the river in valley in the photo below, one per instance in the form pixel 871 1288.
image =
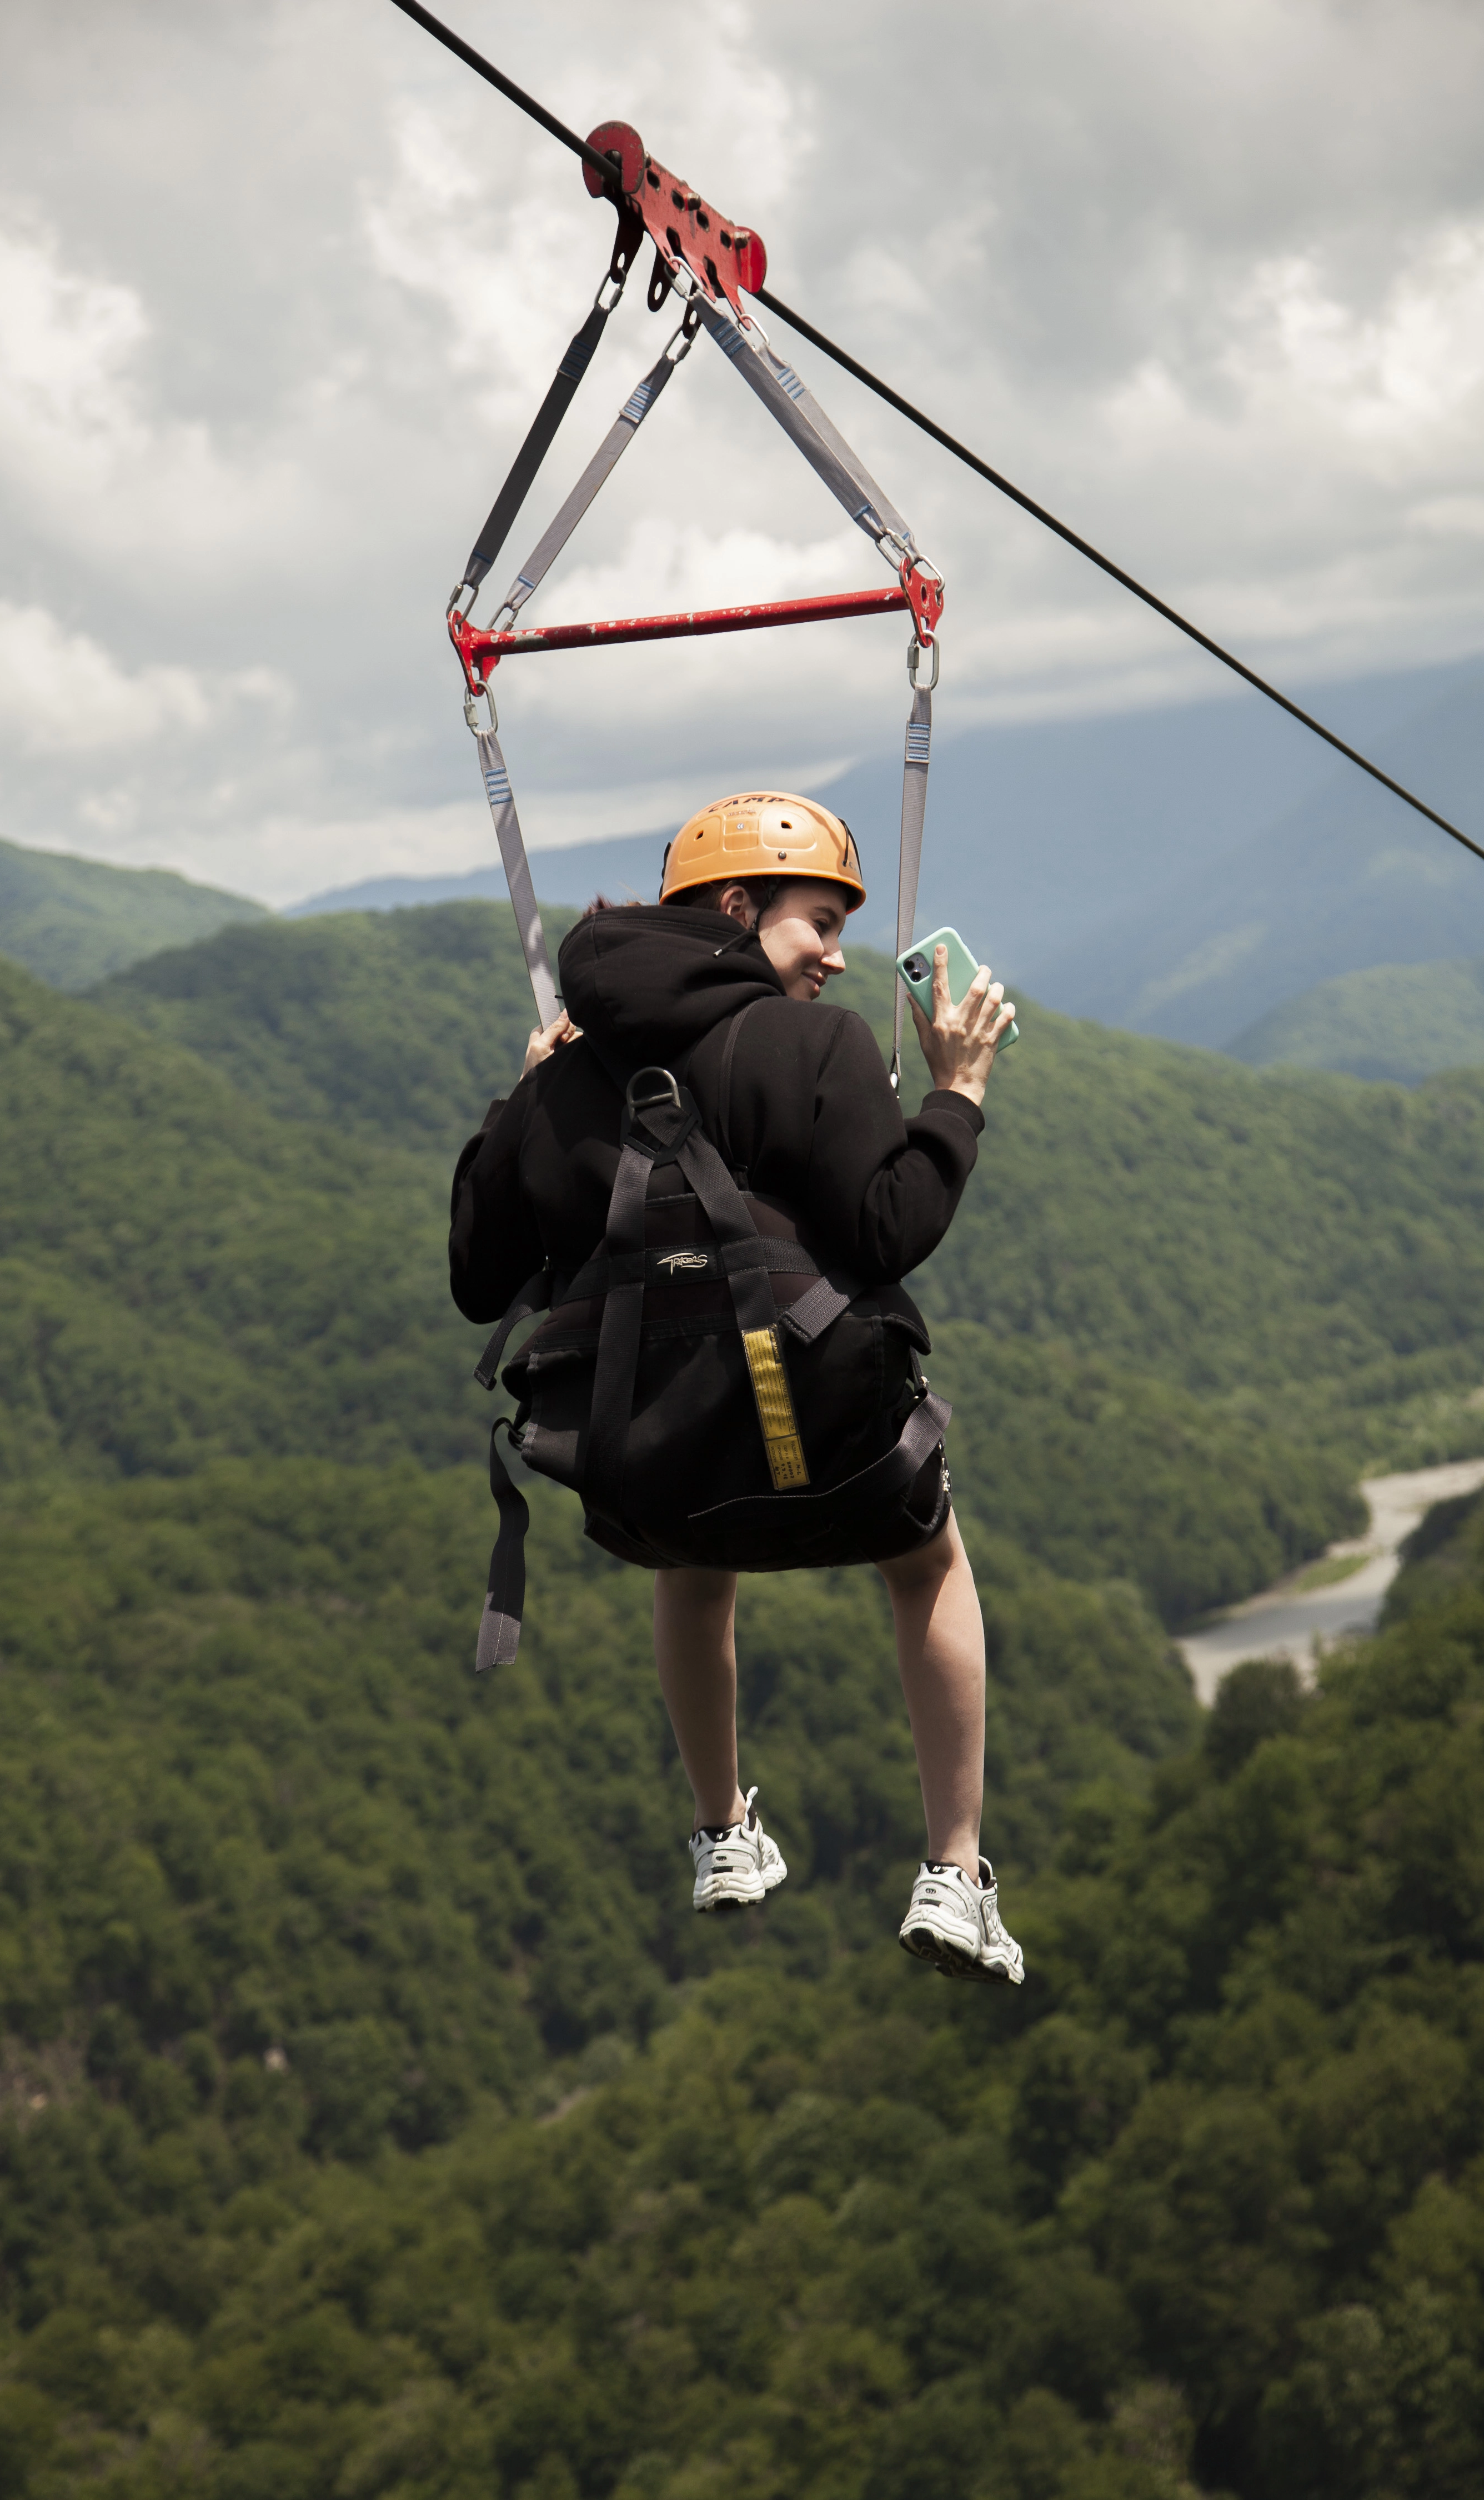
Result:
pixel 1342 1594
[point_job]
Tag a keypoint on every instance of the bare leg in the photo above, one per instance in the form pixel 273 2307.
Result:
pixel 695 1651
pixel 940 1651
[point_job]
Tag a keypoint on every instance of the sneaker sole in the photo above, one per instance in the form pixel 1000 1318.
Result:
pixel 952 1959
pixel 729 1892
pixel 737 1891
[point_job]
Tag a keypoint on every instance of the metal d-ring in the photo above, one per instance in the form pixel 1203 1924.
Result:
pixel 668 1092
pixel 914 650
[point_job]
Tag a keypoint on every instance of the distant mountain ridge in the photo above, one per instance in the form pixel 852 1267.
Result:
pixel 1346 879
pixel 1175 872
pixel 73 921
pixel 1182 872
pixel 1402 1021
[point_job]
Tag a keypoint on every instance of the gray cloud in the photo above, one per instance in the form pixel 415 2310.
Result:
pixel 279 288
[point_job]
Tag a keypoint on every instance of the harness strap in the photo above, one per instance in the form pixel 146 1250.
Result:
pixel 617 1366
pixel 605 459
pixel 504 1597
pixel 554 407
pixel 512 851
pixel 756 1311
pixel 915 761
pixel 682 1262
pixel 533 1296
pixel 492 762
pixel 499 1624
pixel 832 458
pixel 808 428
pixel 891 1473
pixel 820 1308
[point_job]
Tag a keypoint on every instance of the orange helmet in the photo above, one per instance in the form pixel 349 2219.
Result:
pixel 763 833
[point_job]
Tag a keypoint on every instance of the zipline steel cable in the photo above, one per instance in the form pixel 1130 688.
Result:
pixel 604 166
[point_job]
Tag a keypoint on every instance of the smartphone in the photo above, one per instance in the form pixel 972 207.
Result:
pixel 915 967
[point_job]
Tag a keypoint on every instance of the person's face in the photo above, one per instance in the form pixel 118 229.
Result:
pixel 800 932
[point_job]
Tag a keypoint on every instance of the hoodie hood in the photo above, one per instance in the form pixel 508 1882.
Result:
pixel 653 980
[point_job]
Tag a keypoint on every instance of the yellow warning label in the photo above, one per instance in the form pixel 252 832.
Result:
pixel 775 1408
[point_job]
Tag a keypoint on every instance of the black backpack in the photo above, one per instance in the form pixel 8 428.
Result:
pixel 693 1378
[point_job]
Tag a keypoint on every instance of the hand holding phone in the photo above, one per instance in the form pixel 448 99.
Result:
pixel 915 968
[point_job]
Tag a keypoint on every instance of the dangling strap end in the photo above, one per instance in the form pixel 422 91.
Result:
pixel 499 1624
pixel 499 1638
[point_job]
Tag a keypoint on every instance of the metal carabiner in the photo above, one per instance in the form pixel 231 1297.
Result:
pixel 914 655
pixel 676 353
pixel 472 717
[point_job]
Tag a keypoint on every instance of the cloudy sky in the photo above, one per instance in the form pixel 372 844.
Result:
pixel 281 287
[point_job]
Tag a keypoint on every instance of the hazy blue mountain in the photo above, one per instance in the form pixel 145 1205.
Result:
pixel 1037 832
pixel 73 921
pixel 1345 880
pixel 1040 833
pixel 1403 1021
pixel 628 865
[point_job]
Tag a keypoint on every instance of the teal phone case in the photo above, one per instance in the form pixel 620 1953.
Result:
pixel 961 969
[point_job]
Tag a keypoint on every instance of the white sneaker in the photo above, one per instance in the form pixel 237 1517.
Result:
pixel 734 1866
pixel 958 1928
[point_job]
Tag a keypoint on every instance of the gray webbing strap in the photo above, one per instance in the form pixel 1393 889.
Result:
pixel 820 1308
pixel 492 763
pixel 832 458
pixel 504 1599
pixel 605 459
pixel 512 850
pixel 533 1296
pixel 920 729
pixel 806 425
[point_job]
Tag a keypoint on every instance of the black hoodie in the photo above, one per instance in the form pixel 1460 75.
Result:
pixel 810 1116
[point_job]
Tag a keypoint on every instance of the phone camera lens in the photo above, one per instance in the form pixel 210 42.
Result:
pixel 915 967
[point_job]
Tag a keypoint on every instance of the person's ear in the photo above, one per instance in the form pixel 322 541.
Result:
pixel 738 906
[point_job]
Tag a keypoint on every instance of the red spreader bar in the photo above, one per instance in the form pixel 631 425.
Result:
pixel 480 652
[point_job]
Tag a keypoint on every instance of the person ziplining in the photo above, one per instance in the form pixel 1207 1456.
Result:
pixel 705 1180
pixel 731 1372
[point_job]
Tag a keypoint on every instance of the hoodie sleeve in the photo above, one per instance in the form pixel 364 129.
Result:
pixel 492 1241
pixel 884 1189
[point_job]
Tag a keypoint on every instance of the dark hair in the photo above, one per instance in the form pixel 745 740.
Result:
pixel 759 890
pixel 606 903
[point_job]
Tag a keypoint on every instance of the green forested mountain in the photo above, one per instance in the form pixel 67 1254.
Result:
pixel 70 921
pixel 396 1025
pixel 357 2140
pixel 1400 1022
pixel 375 2119
pixel 183 1275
